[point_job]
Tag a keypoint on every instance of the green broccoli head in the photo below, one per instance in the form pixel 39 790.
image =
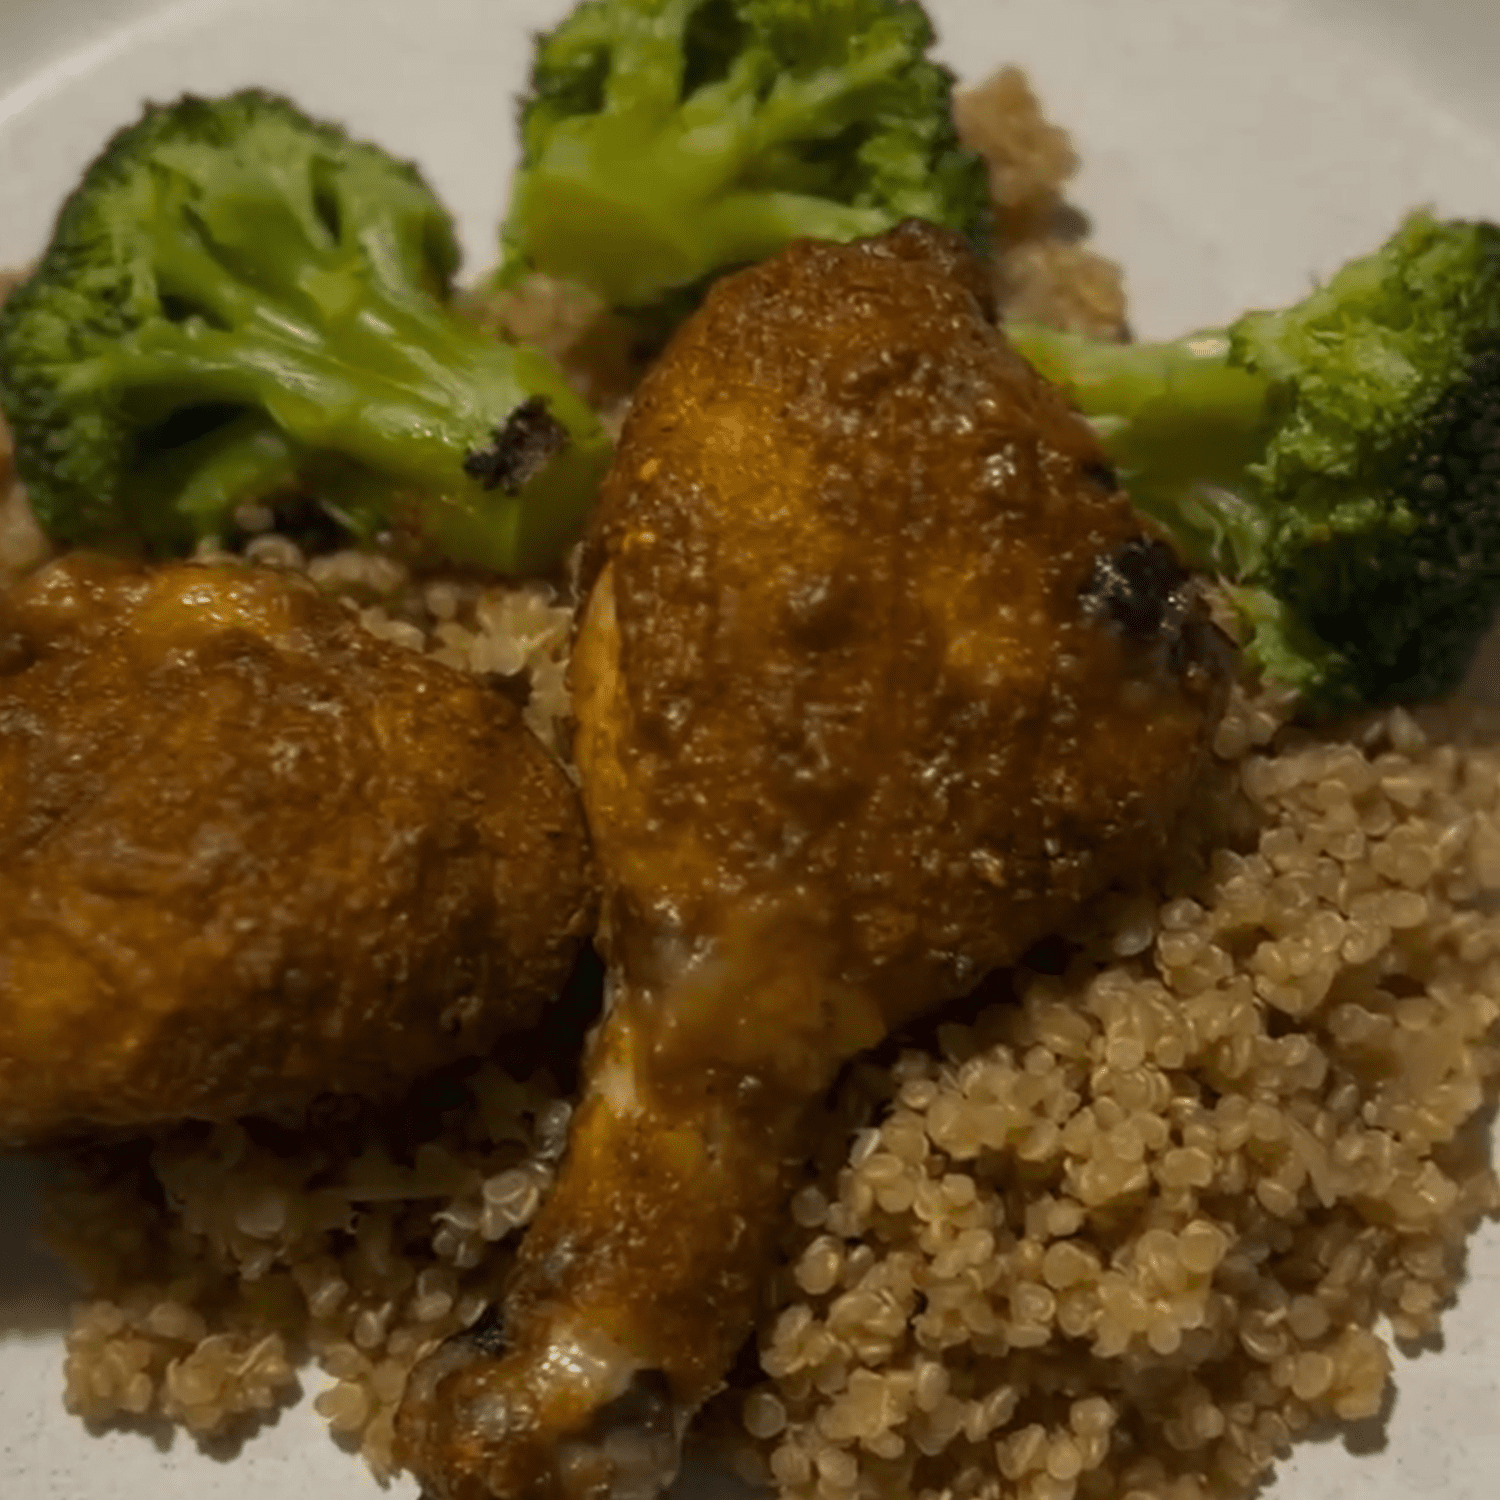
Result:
pixel 665 141
pixel 1337 462
pixel 238 299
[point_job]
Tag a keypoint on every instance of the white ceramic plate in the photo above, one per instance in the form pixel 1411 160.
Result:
pixel 1233 150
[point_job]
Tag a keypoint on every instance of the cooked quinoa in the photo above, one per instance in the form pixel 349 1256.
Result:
pixel 1119 1229
pixel 1043 274
pixel 218 1258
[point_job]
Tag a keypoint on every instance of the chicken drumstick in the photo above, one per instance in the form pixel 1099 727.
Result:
pixel 249 854
pixel 878 679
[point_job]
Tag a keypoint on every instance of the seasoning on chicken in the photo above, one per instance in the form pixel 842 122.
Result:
pixel 878 680
pixel 248 853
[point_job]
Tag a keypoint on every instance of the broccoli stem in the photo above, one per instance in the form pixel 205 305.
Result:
pixel 1176 408
pixel 246 459
pixel 322 395
pixel 1182 426
pixel 392 385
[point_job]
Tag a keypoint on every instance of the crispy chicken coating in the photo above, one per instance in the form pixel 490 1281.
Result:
pixel 249 854
pixel 878 679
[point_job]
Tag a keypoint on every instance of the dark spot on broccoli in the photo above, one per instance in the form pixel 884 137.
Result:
pixel 521 448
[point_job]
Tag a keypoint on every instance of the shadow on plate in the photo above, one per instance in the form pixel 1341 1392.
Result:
pixel 1367 1436
pixel 35 1291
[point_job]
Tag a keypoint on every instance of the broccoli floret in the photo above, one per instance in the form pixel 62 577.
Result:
pixel 665 141
pixel 1337 462
pixel 238 299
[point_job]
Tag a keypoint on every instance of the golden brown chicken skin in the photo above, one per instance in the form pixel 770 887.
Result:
pixel 878 680
pixel 248 853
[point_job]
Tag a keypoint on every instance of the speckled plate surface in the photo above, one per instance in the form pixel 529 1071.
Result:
pixel 1233 150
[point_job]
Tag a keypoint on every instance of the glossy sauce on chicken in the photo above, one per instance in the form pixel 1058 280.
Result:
pixel 249 854
pixel 878 679
pixel 858 556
